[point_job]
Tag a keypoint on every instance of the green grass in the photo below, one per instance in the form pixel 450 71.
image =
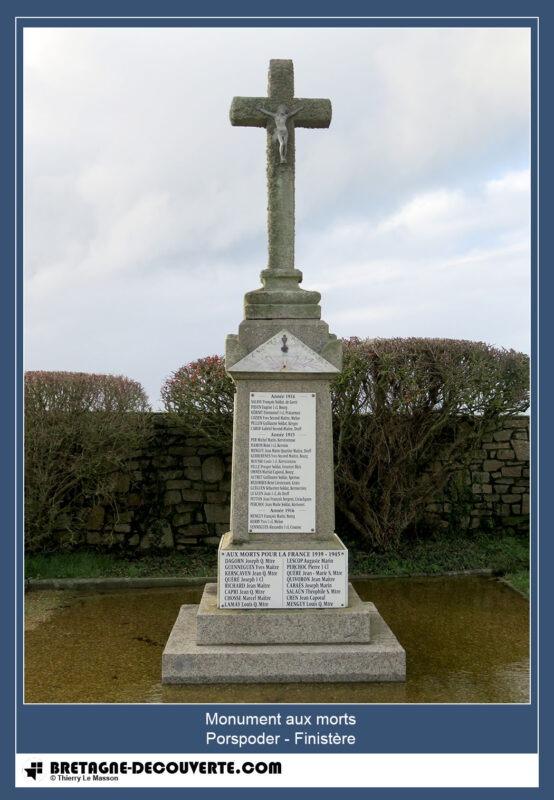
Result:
pixel 505 555
pixel 519 581
pixel 89 564
pixel 502 554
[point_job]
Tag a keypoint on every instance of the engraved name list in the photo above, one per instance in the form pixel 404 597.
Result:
pixel 282 462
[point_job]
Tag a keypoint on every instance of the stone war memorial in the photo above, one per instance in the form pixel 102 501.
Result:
pixel 283 609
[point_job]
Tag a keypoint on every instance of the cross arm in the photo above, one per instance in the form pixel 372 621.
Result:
pixel 245 111
pixel 313 113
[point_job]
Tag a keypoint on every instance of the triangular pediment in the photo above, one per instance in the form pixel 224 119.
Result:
pixel 284 352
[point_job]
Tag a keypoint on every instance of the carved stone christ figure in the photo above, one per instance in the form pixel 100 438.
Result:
pixel 281 133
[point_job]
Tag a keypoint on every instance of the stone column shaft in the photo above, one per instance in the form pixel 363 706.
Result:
pixel 280 207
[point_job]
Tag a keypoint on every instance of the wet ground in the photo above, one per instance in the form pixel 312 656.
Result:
pixel 466 639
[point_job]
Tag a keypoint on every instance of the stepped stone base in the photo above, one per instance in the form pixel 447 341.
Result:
pixel 281 626
pixel 186 661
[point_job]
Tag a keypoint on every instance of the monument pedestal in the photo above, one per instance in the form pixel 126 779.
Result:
pixel 214 645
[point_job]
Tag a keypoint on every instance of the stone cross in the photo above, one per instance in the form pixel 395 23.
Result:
pixel 281 551
pixel 280 113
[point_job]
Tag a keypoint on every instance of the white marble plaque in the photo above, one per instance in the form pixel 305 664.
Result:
pixel 283 578
pixel 281 490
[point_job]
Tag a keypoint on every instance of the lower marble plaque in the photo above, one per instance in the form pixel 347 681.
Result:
pixel 283 579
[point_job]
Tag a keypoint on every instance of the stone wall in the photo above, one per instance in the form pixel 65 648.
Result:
pixel 178 491
pixel 177 494
pixel 494 492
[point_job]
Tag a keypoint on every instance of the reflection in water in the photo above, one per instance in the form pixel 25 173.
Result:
pixel 466 639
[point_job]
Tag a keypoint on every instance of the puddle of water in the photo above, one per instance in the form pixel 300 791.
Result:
pixel 466 639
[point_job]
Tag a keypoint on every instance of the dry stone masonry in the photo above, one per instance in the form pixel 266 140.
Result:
pixel 177 493
pixel 494 492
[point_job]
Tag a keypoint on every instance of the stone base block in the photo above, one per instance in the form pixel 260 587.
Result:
pixel 281 626
pixel 184 661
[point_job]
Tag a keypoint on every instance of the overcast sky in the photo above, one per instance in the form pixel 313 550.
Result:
pixel 145 211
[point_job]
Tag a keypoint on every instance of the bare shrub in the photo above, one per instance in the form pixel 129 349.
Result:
pixel 80 430
pixel 408 413
pixel 202 394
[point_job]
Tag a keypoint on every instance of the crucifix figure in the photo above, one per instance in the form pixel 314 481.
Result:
pixel 281 135
pixel 280 113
